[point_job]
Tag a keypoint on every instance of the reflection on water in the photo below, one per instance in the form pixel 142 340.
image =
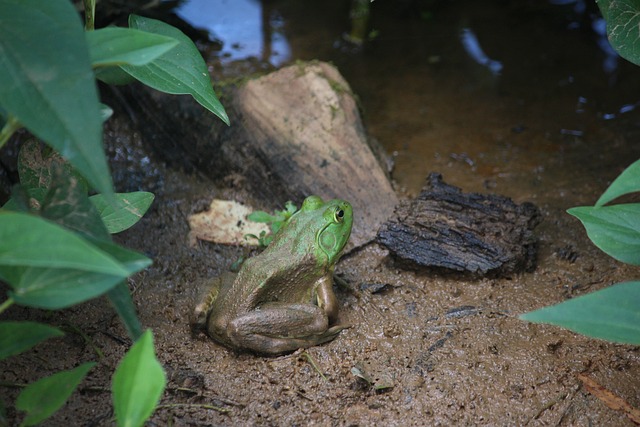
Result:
pixel 245 27
pixel 525 99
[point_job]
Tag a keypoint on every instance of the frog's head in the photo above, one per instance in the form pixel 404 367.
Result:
pixel 333 220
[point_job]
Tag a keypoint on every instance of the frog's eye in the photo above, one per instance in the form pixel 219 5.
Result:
pixel 338 215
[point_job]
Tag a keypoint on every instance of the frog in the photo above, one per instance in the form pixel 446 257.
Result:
pixel 282 299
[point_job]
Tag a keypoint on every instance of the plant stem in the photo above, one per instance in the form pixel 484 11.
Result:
pixel 6 304
pixel 89 14
pixel 8 129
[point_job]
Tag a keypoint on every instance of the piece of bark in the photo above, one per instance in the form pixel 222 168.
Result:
pixel 444 228
pixel 294 132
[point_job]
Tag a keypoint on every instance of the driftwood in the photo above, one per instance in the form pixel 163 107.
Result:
pixel 444 228
pixel 294 132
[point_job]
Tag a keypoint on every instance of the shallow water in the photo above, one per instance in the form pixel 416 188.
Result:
pixel 521 99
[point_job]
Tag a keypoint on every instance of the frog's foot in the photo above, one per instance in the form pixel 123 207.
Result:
pixel 277 328
pixel 209 293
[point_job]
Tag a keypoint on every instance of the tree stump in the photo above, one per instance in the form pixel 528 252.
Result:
pixel 446 229
pixel 294 132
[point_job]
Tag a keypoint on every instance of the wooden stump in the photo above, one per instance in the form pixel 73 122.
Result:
pixel 444 228
pixel 294 132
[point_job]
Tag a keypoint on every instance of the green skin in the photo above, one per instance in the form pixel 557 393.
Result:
pixel 282 299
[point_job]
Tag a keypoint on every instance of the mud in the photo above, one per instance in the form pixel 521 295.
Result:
pixel 446 350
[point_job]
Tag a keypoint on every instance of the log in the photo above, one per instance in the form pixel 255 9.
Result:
pixel 294 132
pixel 448 230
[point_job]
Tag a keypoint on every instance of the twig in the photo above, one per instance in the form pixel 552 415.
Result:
pixel 314 364
pixel 611 400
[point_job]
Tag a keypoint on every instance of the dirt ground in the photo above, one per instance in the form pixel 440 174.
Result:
pixel 443 349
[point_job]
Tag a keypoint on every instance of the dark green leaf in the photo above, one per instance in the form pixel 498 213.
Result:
pixel 120 298
pixel 138 383
pixel 612 314
pixel 179 71
pixel 128 209
pixel 105 112
pixel 623 20
pixel 47 83
pixel 16 337
pixel 118 46
pixel 614 229
pixel 37 165
pixel 44 397
pixel 55 288
pixel 627 182
pixel 27 240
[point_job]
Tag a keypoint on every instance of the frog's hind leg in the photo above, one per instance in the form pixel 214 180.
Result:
pixel 209 292
pixel 277 328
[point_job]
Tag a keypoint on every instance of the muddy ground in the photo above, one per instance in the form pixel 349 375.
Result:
pixel 449 349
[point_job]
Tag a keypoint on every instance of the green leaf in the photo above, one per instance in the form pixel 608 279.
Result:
pixel 16 337
pixel 47 83
pixel 614 229
pixel 27 240
pixel 113 76
pixel 179 71
pixel 128 209
pixel 119 46
pixel 55 288
pixel 612 314
pixel 262 216
pixel 138 383
pixel 120 298
pixel 623 20
pixel 627 182
pixel 44 397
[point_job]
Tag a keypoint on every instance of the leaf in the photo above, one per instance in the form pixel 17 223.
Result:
pixel 119 46
pixel 138 383
pixel 261 216
pixel 44 397
pixel 120 298
pixel 627 182
pixel 623 20
pixel 179 71
pixel 113 76
pixel 55 288
pixel 614 229
pixel 16 337
pixel 27 240
pixel 612 314
pixel 47 83
pixel 128 209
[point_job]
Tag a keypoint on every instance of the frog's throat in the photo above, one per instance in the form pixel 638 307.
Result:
pixel 319 245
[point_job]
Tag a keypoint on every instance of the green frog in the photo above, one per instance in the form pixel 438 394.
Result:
pixel 282 299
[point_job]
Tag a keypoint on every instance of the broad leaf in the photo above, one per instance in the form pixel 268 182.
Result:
pixel 128 209
pixel 56 288
pixel 44 397
pixel 27 240
pixel 614 229
pixel 627 182
pixel 119 46
pixel 623 20
pixel 179 71
pixel 612 314
pixel 120 298
pixel 47 83
pixel 138 383
pixel 16 337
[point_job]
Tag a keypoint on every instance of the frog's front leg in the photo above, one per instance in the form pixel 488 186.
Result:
pixel 276 328
pixel 327 300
